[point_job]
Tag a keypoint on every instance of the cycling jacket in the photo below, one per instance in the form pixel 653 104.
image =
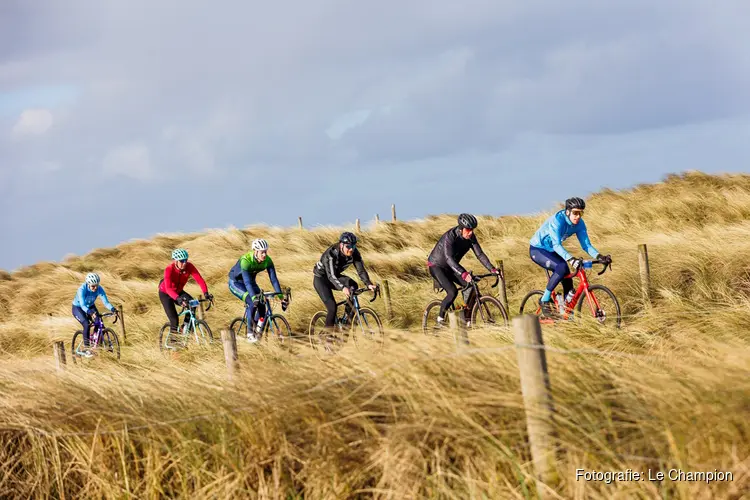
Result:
pixel 557 229
pixel 333 262
pixel 174 280
pixel 247 267
pixel 451 248
pixel 85 298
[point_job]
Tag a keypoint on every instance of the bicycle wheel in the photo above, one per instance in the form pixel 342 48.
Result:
pixel 279 330
pixel 368 327
pixel 110 343
pixel 530 305
pixel 202 333
pixel 237 326
pixel 429 318
pixel 76 344
pixel 489 312
pixel 607 302
pixel 169 341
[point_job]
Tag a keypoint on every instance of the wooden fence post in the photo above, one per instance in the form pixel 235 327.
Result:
pixel 645 274
pixel 58 350
pixel 199 311
pixel 229 340
pixel 393 212
pixel 377 219
pixel 535 386
pixel 123 334
pixel 503 290
pixel 387 297
pixel 458 326
pixel 356 224
pixel 299 222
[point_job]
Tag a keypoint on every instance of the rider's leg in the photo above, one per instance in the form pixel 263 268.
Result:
pixel 446 282
pixel 237 288
pixel 83 319
pixel 325 292
pixel 553 262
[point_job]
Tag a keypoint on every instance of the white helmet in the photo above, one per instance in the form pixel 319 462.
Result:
pixel 260 244
pixel 92 279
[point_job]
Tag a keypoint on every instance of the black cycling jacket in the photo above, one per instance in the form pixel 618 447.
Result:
pixel 451 248
pixel 333 262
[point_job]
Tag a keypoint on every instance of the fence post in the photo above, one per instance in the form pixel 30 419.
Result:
pixel 122 324
pixel 377 219
pixel 393 212
pixel 503 289
pixel 535 386
pixel 229 340
pixel 299 222
pixel 58 350
pixel 359 229
pixel 645 274
pixel 458 326
pixel 199 311
pixel 387 297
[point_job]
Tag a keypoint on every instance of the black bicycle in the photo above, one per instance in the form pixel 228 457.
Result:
pixel 355 321
pixel 486 312
pixel 276 324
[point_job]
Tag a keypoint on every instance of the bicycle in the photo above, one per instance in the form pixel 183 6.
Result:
pixel 583 289
pixel 106 336
pixel 191 325
pixel 363 317
pixel 482 308
pixel 281 330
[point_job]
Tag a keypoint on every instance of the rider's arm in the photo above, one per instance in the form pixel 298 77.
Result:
pixel 554 233
pixel 480 253
pixel 457 268
pixel 247 279
pixel 272 276
pixel 583 238
pixel 359 265
pixel 101 293
pixel 197 277
pixel 330 271
pixel 79 298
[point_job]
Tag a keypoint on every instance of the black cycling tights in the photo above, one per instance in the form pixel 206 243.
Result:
pixel 325 292
pixel 447 279
pixel 169 308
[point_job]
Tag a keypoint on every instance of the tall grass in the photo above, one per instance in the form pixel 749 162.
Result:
pixel 422 419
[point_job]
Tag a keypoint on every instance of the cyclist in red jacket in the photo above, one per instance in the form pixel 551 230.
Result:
pixel 171 292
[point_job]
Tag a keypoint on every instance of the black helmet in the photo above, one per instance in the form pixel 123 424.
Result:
pixel 575 203
pixel 467 221
pixel 348 238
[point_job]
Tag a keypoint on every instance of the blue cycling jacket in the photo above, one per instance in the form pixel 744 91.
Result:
pixel 557 229
pixel 85 298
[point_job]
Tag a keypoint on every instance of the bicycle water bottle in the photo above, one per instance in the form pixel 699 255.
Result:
pixel 259 325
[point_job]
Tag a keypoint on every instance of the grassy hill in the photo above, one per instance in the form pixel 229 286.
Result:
pixel 670 390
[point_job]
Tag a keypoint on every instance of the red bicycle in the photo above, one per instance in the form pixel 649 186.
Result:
pixel 584 293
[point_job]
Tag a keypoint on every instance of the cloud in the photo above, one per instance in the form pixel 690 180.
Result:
pixel 131 160
pixel 32 122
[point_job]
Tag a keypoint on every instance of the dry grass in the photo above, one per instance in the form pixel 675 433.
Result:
pixel 424 419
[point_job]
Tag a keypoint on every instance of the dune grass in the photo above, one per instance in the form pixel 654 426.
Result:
pixel 424 418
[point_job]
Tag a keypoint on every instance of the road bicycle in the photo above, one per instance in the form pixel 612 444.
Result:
pixel 102 339
pixel 486 312
pixel 355 322
pixel 276 324
pixel 595 296
pixel 192 327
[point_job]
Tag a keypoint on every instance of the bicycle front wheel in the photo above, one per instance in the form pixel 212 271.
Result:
pixel 489 312
pixel 279 330
pixel 110 343
pixel 367 325
pixel 602 305
pixel 202 333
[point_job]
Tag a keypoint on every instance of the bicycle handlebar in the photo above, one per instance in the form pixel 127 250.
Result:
pixel 360 291
pixel 115 314
pixel 480 277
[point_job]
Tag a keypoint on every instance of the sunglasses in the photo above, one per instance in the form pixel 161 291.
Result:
pixel 577 212
pixel 350 247
pixel 182 261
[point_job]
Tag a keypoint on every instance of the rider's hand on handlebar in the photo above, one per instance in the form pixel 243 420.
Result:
pixel 372 287
pixel 495 270
pixel 605 259
pixel 208 296
pixel 347 291
pixel 575 263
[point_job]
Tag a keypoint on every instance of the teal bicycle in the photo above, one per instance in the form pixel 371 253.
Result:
pixel 192 328
pixel 276 324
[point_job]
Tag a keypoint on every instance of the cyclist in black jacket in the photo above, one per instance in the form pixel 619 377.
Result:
pixel 328 271
pixel 444 259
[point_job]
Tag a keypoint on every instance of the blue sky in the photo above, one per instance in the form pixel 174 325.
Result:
pixel 133 118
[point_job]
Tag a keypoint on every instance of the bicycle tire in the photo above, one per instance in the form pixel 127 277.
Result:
pixel 116 339
pixel 363 313
pixel 537 310
pixel 593 288
pixel 73 345
pixel 312 336
pixel 200 322
pixel 488 299
pixel 283 339
pixel 236 326
pixel 163 337
pixel 426 315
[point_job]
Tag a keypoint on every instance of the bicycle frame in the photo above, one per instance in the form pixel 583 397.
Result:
pixel 96 328
pixel 269 309
pixel 355 302
pixel 190 321
pixel 581 290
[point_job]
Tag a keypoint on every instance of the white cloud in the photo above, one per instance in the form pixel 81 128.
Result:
pixel 131 160
pixel 32 122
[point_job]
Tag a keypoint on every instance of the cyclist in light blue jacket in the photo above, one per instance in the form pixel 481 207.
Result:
pixel 84 309
pixel 546 249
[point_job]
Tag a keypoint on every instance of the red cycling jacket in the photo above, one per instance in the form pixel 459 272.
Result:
pixel 174 280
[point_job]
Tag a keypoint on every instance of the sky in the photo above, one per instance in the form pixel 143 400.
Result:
pixel 124 119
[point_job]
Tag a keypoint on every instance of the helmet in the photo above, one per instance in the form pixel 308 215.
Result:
pixel 179 254
pixel 467 221
pixel 575 203
pixel 92 279
pixel 260 244
pixel 348 238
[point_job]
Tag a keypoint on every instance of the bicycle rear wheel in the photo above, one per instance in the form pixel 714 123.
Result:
pixel 368 327
pixel 489 312
pixel 239 327
pixel 608 312
pixel 429 319
pixel 76 344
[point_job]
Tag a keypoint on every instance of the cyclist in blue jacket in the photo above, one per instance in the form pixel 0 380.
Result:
pixel 546 249
pixel 84 309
